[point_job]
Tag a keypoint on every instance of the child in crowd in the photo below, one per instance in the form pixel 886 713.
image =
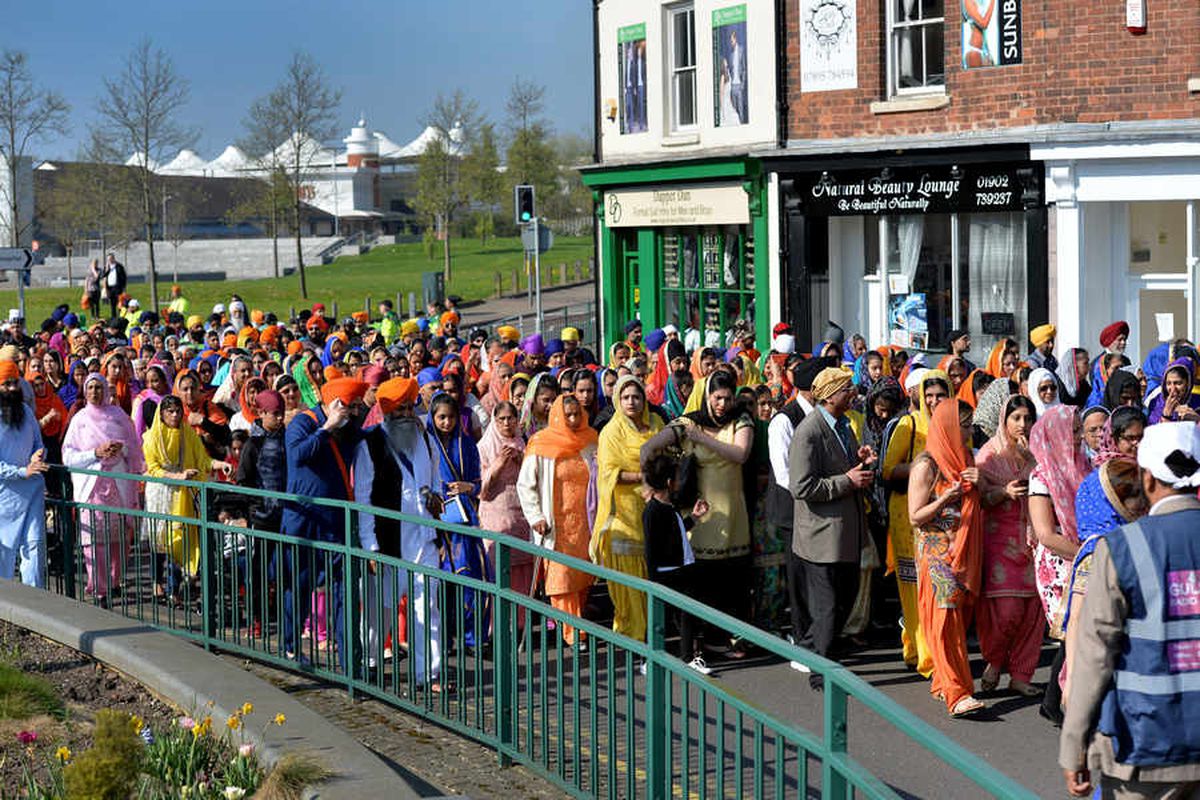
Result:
pixel 669 557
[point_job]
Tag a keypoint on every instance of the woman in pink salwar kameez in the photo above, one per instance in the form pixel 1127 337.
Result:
pixel 101 437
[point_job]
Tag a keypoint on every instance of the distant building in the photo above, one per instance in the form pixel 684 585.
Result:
pixel 367 186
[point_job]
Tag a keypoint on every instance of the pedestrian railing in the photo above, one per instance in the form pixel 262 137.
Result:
pixel 581 316
pixel 583 715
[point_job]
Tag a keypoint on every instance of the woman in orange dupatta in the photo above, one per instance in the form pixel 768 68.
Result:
pixel 943 506
pixel 556 488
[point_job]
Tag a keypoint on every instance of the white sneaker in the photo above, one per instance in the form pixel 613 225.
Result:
pixel 796 665
pixel 698 664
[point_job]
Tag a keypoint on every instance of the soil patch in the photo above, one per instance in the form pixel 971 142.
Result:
pixel 84 687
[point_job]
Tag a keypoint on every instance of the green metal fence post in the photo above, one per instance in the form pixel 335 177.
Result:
pixel 504 651
pixel 833 782
pixel 658 767
pixel 208 609
pixel 350 611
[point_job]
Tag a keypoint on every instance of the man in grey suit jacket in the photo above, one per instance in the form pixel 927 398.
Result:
pixel 829 475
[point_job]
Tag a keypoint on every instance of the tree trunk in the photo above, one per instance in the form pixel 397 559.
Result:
pixel 299 248
pixel 149 212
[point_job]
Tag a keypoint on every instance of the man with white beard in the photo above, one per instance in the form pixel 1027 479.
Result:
pixel 22 487
pixel 396 455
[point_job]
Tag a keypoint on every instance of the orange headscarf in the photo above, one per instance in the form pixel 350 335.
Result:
pixel 944 443
pixel 44 402
pixel 557 440
pixel 249 411
pixel 966 392
pixel 995 361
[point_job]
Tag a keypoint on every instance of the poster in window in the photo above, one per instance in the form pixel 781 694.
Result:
pixel 828 45
pixel 909 320
pixel 729 59
pixel 991 33
pixel 631 70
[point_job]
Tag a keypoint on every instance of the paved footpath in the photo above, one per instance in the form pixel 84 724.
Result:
pixel 553 299
pixel 1011 736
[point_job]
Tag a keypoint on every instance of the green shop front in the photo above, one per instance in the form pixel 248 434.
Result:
pixel 685 244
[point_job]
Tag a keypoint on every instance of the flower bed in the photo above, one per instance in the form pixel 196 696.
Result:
pixel 70 728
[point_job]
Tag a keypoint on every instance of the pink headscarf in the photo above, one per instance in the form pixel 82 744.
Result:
pixel 95 425
pixel 1061 463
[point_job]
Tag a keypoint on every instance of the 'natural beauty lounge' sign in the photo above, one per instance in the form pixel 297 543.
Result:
pixel 922 190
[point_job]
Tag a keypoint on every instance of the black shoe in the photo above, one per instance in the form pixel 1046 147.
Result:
pixel 1055 717
pixel 816 682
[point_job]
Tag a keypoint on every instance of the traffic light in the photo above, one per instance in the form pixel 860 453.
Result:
pixel 523 202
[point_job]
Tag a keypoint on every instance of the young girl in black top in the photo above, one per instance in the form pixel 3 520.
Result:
pixel 669 557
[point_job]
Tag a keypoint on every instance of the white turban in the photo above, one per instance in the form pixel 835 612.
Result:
pixel 785 343
pixel 915 376
pixel 1170 451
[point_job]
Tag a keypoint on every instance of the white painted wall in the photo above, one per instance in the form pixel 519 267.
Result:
pixel 1092 187
pixel 24 194
pixel 658 142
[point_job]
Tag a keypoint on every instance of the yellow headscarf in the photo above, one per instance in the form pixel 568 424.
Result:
pixel 176 450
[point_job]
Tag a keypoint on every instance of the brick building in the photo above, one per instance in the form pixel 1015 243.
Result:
pixel 935 164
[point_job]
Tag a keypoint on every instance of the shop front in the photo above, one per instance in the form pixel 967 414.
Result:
pixel 904 248
pixel 677 245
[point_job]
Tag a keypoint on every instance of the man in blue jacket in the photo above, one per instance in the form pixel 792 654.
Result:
pixel 1134 711
pixel 320 445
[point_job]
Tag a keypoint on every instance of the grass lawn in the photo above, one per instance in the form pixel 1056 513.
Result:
pixel 381 273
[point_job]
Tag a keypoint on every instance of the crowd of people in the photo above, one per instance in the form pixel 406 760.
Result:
pixel 828 496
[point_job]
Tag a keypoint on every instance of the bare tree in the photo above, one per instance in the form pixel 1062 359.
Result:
pixel 530 157
pixel 265 205
pixel 443 187
pixel 139 110
pixel 525 104
pixel 180 201
pixel 302 110
pixel 28 114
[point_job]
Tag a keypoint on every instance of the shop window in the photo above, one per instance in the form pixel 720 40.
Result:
pixel 929 294
pixel 708 282
pixel 681 24
pixel 916 47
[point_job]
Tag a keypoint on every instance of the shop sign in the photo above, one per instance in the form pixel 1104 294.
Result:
pixel 991 33
pixel 676 205
pixel 922 190
pixel 828 45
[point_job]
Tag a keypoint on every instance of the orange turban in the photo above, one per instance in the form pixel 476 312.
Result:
pixel 361 317
pixel 270 335
pixel 294 347
pixel 395 391
pixel 9 371
pixel 257 316
pixel 333 373
pixel 449 318
pixel 229 340
pixel 348 390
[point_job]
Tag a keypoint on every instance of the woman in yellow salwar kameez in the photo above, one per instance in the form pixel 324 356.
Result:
pixel 174 450
pixel 617 541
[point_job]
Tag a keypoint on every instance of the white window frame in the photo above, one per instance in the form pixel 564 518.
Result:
pixel 674 72
pixel 893 51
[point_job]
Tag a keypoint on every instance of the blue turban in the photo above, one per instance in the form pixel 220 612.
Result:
pixel 655 339
pixel 428 375
pixel 70 320
pixel 555 346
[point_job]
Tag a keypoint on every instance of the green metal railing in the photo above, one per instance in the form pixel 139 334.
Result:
pixel 581 716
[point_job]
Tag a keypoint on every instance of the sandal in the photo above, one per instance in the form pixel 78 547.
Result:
pixel 966 707
pixel 989 680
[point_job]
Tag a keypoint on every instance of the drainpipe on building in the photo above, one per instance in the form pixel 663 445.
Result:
pixel 781 66
pixel 597 154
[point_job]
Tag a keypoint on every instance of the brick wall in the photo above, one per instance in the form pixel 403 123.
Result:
pixel 1080 64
